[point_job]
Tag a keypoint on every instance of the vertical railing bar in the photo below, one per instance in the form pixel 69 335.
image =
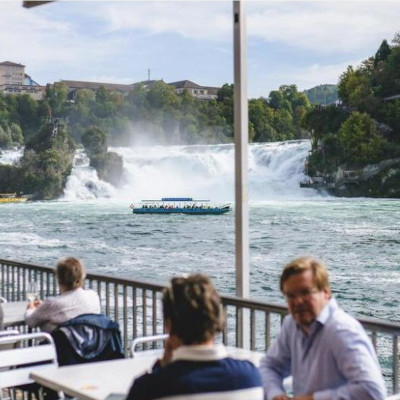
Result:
pixel 125 319
pixel 134 313
pixel 395 354
pixel 144 312
pixel 116 305
pixel 13 283
pixel 107 298
pixel 237 327
pixel 18 283
pixel 252 329
pixel 8 282
pixel 224 330
pixel 154 295
pixel 48 282
pixel 55 282
pixel 41 293
pixel 267 330
pixel 99 288
pixel 23 283
pixel 3 286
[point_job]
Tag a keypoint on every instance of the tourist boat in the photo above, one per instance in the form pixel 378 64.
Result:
pixel 178 205
pixel 11 198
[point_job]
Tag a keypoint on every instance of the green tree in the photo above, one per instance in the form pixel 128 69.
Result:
pixel 359 140
pixel 383 52
pixel 56 96
pixel 95 141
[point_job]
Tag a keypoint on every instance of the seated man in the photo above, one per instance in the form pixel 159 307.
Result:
pixel 326 350
pixel 73 300
pixel 192 364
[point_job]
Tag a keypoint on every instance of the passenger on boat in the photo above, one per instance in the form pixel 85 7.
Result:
pixel 192 363
pixel 72 301
pixel 327 352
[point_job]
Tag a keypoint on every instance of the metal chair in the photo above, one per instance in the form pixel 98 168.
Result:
pixel 37 351
pixel 146 339
pixel 7 333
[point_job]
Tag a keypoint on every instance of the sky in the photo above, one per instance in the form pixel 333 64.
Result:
pixel 306 43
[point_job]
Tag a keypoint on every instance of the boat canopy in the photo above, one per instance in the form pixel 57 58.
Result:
pixel 174 199
pixel 177 199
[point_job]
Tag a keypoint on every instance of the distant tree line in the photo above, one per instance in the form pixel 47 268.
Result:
pixel 156 113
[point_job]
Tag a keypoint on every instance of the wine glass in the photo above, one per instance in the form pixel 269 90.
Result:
pixel 31 291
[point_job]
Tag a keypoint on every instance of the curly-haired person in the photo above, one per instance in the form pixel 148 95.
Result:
pixel 192 364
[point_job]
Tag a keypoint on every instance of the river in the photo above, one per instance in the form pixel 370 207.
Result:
pixel 357 238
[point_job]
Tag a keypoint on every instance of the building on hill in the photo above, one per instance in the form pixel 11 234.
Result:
pixel 74 86
pixel 13 80
pixel 12 73
pixel 200 92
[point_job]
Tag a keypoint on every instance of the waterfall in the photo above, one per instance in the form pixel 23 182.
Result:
pixel 201 171
pixel 11 156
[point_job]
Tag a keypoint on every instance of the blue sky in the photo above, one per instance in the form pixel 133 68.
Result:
pixel 289 42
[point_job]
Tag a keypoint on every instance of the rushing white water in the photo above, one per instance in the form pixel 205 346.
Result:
pixel 202 171
pixel 83 183
pixel 10 156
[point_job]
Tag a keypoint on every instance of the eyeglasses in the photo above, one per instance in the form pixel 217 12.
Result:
pixel 304 294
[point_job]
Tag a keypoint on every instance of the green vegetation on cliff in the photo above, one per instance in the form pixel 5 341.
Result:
pixel 109 165
pixel 365 128
pixel 45 165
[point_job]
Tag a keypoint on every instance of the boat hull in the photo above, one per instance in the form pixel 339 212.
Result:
pixel 13 200
pixel 178 210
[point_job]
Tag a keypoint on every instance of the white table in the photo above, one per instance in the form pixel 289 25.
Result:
pixel 112 379
pixel 95 381
pixel 13 313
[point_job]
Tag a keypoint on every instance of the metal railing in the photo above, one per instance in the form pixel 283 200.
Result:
pixel 136 306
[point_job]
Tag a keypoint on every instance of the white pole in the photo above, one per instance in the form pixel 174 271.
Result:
pixel 241 162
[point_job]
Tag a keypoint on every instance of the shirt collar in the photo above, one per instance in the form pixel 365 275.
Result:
pixel 200 353
pixel 326 312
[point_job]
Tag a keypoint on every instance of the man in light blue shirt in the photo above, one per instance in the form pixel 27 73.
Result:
pixel 326 351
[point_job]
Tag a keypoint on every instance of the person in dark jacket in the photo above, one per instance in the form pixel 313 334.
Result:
pixel 192 363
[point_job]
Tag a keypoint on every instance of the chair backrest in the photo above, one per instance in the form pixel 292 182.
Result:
pixel 16 364
pixel 88 338
pixel 147 339
pixel 6 333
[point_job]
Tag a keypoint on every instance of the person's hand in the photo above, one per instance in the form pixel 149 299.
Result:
pixel 281 397
pixel 33 305
pixel 171 344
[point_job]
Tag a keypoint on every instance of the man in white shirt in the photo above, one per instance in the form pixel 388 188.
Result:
pixel 326 351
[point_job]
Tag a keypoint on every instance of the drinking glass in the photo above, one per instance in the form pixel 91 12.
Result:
pixel 31 291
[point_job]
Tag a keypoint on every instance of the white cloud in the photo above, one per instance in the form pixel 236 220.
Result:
pixel 325 27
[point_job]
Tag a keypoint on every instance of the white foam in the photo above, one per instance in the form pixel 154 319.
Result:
pixel 199 171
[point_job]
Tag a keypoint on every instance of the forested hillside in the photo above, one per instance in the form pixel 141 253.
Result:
pixel 365 128
pixel 322 94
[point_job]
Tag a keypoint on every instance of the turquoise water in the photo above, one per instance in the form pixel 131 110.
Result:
pixel 358 238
